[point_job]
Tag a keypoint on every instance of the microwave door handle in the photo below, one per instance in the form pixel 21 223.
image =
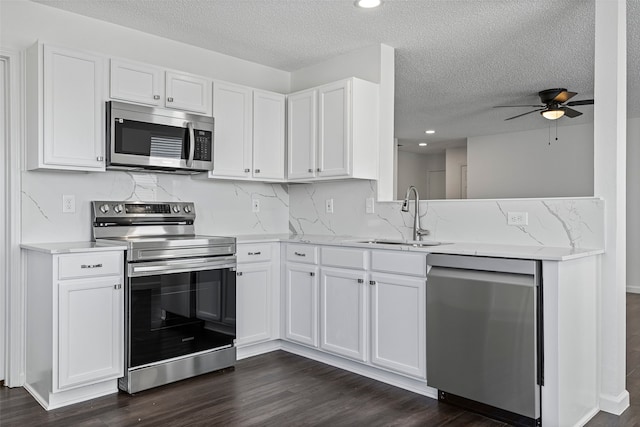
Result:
pixel 192 144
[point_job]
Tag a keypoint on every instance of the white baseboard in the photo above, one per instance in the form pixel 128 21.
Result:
pixel 245 352
pixel 633 289
pixel 584 420
pixel 615 405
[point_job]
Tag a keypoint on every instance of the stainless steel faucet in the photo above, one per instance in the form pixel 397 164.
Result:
pixel 417 231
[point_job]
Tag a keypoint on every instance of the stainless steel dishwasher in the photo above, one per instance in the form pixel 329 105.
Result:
pixel 484 335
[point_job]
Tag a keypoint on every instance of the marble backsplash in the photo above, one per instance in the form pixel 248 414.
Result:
pixel 222 207
pixel 561 222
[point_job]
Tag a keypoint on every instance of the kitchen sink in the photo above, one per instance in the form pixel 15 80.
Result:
pixel 414 243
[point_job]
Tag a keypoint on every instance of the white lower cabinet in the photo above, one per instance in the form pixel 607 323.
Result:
pixel 75 325
pixel 301 304
pixel 398 323
pixel 343 312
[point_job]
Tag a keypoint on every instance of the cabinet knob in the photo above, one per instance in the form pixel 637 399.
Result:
pixel 118 286
pixel 372 282
pixel 312 274
pixel 170 99
pixel 318 170
pixel 310 170
pixel 257 171
pixel 100 158
pixel 360 280
pixel 247 170
pixel 239 273
pixel 156 96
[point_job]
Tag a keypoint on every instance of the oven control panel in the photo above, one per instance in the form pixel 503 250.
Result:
pixel 141 210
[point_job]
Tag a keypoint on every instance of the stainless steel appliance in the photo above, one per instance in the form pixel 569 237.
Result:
pixel 484 335
pixel 159 139
pixel 180 294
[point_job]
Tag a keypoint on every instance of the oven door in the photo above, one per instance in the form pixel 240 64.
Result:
pixel 180 307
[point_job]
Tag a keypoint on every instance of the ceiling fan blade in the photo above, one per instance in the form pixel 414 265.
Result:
pixel 508 106
pixel 570 112
pixel 582 102
pixel 563 96
pixel 520 115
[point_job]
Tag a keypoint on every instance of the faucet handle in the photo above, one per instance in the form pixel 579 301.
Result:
pixel 422 232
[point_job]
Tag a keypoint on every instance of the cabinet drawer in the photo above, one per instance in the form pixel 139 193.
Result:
pixel 399 262
pixel 254 252
pixel 302 253
pixel 342 257
pixel 91 264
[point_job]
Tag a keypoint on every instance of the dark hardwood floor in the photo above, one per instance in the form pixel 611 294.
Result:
pixel 281 389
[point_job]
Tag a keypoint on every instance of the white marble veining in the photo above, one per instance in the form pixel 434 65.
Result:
pixel 222 207
pixel 555 222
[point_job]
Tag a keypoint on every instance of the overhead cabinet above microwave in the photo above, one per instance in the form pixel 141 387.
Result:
pixel 150 85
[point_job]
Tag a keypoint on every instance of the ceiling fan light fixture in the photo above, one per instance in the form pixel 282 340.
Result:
pixel 368 4
pixel 552 113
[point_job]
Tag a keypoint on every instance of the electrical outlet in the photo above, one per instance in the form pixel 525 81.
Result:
pixel 517 218
pixel 255 205
pixel 68 203
pixel 370 205
pixel 328 206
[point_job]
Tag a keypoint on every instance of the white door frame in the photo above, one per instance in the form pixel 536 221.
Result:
pixel 11 287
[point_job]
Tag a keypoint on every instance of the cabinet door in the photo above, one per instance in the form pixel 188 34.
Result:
pixel 343 312
pixel 398 319
pixel 268 135
pixel 302 132
pixel 253 286
pixel 187 92
pixel 232 111
pixel 90 331
pixel 73 109
pixel 301 306
pixel 136 82
pixel 334 138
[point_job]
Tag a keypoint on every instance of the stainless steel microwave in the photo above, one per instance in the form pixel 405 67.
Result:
pixel 158 139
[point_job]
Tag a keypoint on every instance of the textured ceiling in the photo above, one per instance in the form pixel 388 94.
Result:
pixel 455 59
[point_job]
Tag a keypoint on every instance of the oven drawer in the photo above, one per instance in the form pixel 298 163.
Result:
pixel 253 252
pixel 90 265
pixel 302 253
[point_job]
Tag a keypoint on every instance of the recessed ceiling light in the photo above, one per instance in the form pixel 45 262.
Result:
pixel 368 4
pixel 423 144
pixel 429 131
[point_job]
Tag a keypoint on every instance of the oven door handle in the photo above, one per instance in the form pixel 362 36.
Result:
pixel 179 266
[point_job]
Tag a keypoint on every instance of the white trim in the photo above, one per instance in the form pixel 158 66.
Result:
pixel 615 405
pixel 14 302
pixel 633 289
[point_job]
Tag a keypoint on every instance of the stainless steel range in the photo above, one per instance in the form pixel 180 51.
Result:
pixel 180 296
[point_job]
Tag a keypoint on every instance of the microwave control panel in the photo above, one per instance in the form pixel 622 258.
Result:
pixel 203 145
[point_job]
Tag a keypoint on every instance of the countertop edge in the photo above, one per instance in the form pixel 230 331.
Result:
pixel 54 248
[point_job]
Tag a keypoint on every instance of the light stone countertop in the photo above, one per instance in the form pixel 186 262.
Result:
pixel 71 247
pixel 544 253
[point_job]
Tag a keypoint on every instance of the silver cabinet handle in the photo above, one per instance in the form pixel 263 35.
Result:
pixel 372 282
pixel 299 254
pixel 257 171
pixel 254 253
pixel 90 265
pixel 99 158
pixel 156 96
pixel 169 99
pixel 192 144
pixel 118 286
pixel 239 273
pixel 247 170
pixel 360 280
pixel 312 274
pixel 310 170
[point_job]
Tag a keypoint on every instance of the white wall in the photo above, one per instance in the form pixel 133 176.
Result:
pixel 524 164
pixel 633 205
pixel 415 171
pixel 456 158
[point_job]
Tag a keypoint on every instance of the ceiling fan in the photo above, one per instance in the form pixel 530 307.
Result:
pixel 554 106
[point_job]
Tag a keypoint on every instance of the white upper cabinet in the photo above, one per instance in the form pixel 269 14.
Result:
pixel 136 82
pixel 147 84
pixel 65 109
pixel 333 131
pixel 232 112
pixel 268 135
pixel 249 142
